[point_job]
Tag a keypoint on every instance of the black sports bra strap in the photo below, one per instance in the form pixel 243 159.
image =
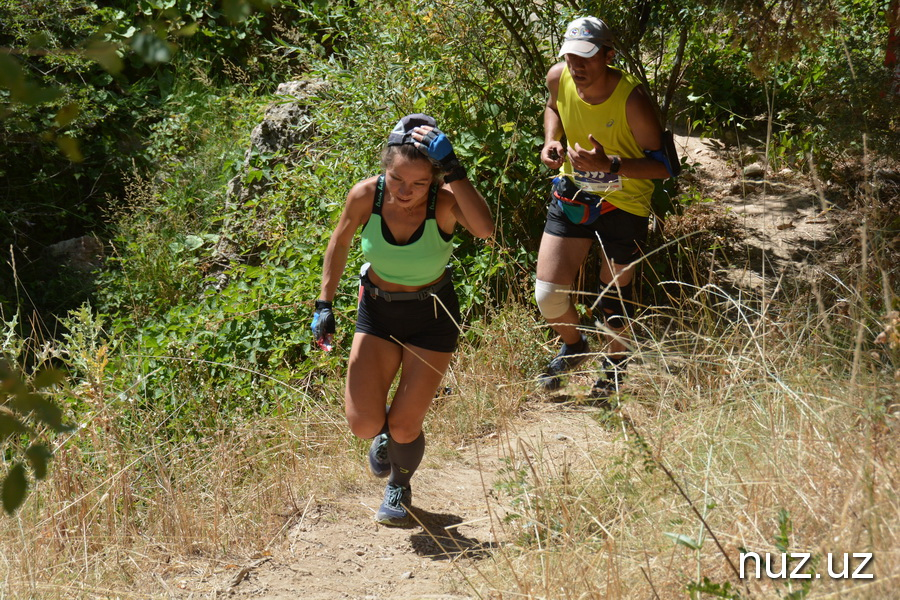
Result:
pixel 379 196
pixel 432 202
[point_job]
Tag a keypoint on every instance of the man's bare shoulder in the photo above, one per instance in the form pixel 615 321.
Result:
pixel 639 103
pixel 643 119
pixel 639 95
pixel 555 72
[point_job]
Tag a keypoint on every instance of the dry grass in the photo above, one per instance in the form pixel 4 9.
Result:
pixel 136 497
pixel 129 504
pixel 745 426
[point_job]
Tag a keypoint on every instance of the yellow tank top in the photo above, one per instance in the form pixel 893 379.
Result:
pixel 609 125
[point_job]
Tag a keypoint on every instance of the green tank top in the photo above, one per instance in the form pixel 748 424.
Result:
pixel 609 124
pixel 419 261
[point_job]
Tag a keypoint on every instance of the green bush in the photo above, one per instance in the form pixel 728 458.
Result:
pixel 84 84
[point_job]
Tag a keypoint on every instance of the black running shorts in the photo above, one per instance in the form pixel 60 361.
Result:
pixel 622 234
pixel 430 323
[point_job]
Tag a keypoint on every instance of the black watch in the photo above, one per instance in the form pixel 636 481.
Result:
pixel 615 164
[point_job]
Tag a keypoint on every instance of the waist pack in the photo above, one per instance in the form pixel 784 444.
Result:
pixel 580 207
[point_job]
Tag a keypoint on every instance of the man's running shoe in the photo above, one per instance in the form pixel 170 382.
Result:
pixel 379 463
pixel 394 511
pixel 569 357
pixel 602 390
pixel 609 383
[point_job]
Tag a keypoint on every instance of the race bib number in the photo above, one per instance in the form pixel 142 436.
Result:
pixel 598 181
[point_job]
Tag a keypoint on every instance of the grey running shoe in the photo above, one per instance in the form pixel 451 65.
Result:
pixel 394 511
pixel 569 358
pixel 602 389
pixel 379 463
pixel 609 383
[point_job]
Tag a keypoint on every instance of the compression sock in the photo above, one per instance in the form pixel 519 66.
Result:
pixel 579 347
pixel 405 459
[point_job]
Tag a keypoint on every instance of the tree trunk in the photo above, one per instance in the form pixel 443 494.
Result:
pixel 675 75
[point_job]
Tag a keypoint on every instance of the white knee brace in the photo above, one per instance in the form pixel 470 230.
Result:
pixel 552 298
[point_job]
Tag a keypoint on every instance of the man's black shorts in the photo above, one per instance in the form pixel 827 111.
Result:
pixel 430 323
pixel 622 234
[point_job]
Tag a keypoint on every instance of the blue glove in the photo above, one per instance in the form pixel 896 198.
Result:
pixel 323 325
pixel 438 148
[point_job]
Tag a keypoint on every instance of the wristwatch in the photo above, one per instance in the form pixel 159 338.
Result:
pixel 615 164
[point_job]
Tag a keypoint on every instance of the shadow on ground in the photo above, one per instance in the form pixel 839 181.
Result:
pixel 440 540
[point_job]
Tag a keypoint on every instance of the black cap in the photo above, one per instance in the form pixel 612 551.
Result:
pixel 402 132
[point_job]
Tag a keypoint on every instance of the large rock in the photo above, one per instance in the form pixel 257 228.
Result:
pixel 82 254
pixel 286 124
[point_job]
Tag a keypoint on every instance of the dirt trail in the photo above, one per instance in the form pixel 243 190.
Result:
pixel 782 218
pixel 334 550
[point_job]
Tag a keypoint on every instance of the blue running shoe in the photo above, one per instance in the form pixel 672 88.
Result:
pixel 394 511
pixel 568 359
pixel 379 463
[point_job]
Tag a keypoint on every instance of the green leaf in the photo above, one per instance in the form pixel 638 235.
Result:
pixel 188 30
pixel 192 242
pixel 47 378
pixel 38 456
pixel 682 539
pixel 70 147
pixel 11 75
pixel 237 11
pixel 783 535
pixel 67 114
pixel 39 40
pixel 106 54
pixel 41 409
pixel 10 425
pixel 35 94
pixel 15 486
pixel 151 48
pixel 21 88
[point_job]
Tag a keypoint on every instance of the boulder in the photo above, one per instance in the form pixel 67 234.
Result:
pixel 286 124
pixel 82 254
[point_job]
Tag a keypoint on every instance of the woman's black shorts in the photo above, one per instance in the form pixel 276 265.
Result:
pixel 430 323
pixel 622 234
